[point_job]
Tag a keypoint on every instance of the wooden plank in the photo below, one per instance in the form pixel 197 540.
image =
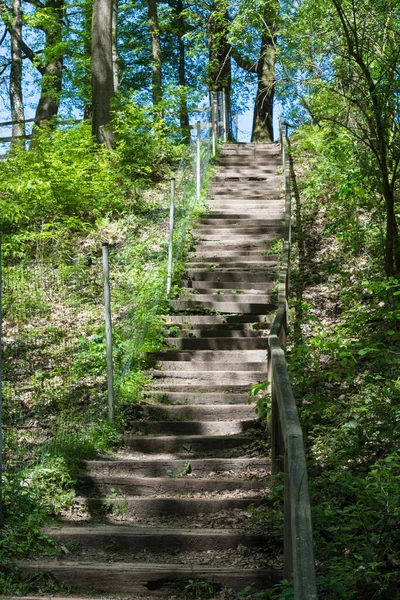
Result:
pixel 301 526
pixel 18 137
pixel 66 121
pixel 153 539
pixel 9 123
pixel 131 577
pixel 287 435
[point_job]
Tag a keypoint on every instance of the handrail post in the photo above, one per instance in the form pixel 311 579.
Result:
pixel 213 124
pixel 287 528
pixel 108 321
pixel 282 142
pixel 171 235
pixel 198 162
pixel 224 115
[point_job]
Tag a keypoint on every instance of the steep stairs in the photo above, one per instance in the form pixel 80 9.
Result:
pixel 173 505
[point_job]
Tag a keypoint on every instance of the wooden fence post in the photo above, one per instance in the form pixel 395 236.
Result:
pixel 171 235
pixel 198 162
pixel 108 321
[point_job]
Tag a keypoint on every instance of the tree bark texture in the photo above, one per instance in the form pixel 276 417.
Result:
pixel 392 242
pixel 262 130
pixel 115 55
pixel 156 56
pixel 16 100
pixel 219 66
pixel 263 108
pixel 183 109
pixel 51 84
pixel 102 69
pixel 87 48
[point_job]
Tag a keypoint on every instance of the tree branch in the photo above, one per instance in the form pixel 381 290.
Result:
pixel 242 62
pixel 29 53
pixel 36 3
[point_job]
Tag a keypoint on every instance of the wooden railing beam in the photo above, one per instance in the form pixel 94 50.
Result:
pixel 287 451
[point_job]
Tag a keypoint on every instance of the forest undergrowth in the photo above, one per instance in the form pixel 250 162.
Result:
pixel 344 360
pixel 59 202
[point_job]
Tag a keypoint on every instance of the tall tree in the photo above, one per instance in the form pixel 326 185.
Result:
pixel 264 104
pixel 48 60
pixel 183 108
pixel 343 62
pixel 16 99
pixel 102 69
pixel 178 27
pixel 264 67
pixel 52 66
pixel 219 64
pixel 115 55
pixel 156 55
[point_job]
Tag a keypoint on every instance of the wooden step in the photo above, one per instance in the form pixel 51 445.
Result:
pixel 230 287
pixel 242 298
pixel 159 467
pixel 187 428
pixel 172 365
pixel 191 396
pixel 210 320
pixel 128 577
pixel 196 387
pixel 195 376
pixel 249 274
pixel 199 412
pixel 167 506
pixel 186 445
pixel 223 333
pixel 217 343
pixel 179 484
pixel 151 539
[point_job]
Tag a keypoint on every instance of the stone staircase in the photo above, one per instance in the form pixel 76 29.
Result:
pixel 173 505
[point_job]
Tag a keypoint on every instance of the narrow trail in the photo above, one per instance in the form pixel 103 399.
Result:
pixel 195 455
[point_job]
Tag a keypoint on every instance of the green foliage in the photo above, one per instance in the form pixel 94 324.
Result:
pixel 344 365
pixel 263 399
pixel 59 200
pixel 201 588
pixel 144 143
pixel 64 183
pixel 67 183
pixel 187 469
pixel 340 64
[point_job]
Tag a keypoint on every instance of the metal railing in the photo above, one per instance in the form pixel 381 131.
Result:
pixel 288 454
pixel 183 197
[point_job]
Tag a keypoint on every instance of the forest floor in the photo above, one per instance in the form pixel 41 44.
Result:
pixel 343 354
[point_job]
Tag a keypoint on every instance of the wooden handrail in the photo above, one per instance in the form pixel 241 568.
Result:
pixel 286 434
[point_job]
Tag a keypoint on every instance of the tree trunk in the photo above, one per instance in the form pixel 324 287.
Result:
pixel 219 67
pixel 102 69
pixel 17 107
pixel 51 84
pixel 263 107
pixel 115 55
pixel 392 242
pixel 156 67
pixel 87 49
pixel 264 104
pixel 183 110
